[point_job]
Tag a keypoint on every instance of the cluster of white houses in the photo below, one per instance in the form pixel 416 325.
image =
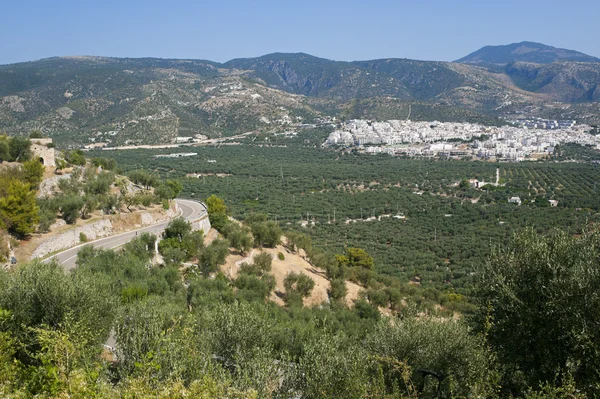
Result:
pixel 447 139
pixel 539 123
pixel 517 200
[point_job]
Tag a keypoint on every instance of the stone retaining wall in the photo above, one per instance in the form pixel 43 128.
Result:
pixel 203 223
pixel 100 229
pixel 93 231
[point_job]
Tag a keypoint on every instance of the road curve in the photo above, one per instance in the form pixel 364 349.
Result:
pixel 190 210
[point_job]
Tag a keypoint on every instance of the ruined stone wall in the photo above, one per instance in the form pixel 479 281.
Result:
pixel 40 150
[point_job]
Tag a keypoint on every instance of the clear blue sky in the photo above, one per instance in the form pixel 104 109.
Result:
pixel 340 30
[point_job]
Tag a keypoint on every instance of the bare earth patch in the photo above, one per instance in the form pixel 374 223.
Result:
pixel 210 236
pixel 293 262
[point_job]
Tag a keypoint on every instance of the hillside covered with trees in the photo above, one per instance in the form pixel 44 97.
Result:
pixel 462 294
pixel 191 332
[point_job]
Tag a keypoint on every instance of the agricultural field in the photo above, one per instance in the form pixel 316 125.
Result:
pixel 419 219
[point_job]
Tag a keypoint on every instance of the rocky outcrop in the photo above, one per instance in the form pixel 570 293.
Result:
pixel 14 103
pixel 146 218
pixel 65 112
pixel 49 186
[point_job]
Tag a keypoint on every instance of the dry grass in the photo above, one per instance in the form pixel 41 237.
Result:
pixel 128 221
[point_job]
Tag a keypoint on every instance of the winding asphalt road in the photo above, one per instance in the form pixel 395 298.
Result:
pixel 190 210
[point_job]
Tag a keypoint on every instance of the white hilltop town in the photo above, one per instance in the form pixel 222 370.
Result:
pixel 530 140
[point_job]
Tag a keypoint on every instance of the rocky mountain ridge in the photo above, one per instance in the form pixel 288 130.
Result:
pixel 116 101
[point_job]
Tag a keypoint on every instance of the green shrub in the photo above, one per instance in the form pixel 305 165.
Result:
pixel 133 293
pixel 263 261
pixel 297 286
pixel 70 207
pixel 338 290
pixel 47 218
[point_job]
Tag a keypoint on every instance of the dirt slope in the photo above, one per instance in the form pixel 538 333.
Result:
pixel 293 262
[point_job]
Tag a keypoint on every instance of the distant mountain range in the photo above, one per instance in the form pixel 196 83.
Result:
pixel 525 52
pixel 135 101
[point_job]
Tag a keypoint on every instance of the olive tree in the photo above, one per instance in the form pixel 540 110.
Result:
pixel 41 294
pixel 297 286
pixel 540 309
pixel 442 358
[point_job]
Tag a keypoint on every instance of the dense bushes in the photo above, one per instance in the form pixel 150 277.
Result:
pixel 213 256
pixel 266 233
pixel 190 333
pixel 88 190
pixel 254 281
pixel 41 295
pixel 539 307
pixel 18 206
pixel 14 149
pixel 239 236
pixel 338 290
pixel 442 357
